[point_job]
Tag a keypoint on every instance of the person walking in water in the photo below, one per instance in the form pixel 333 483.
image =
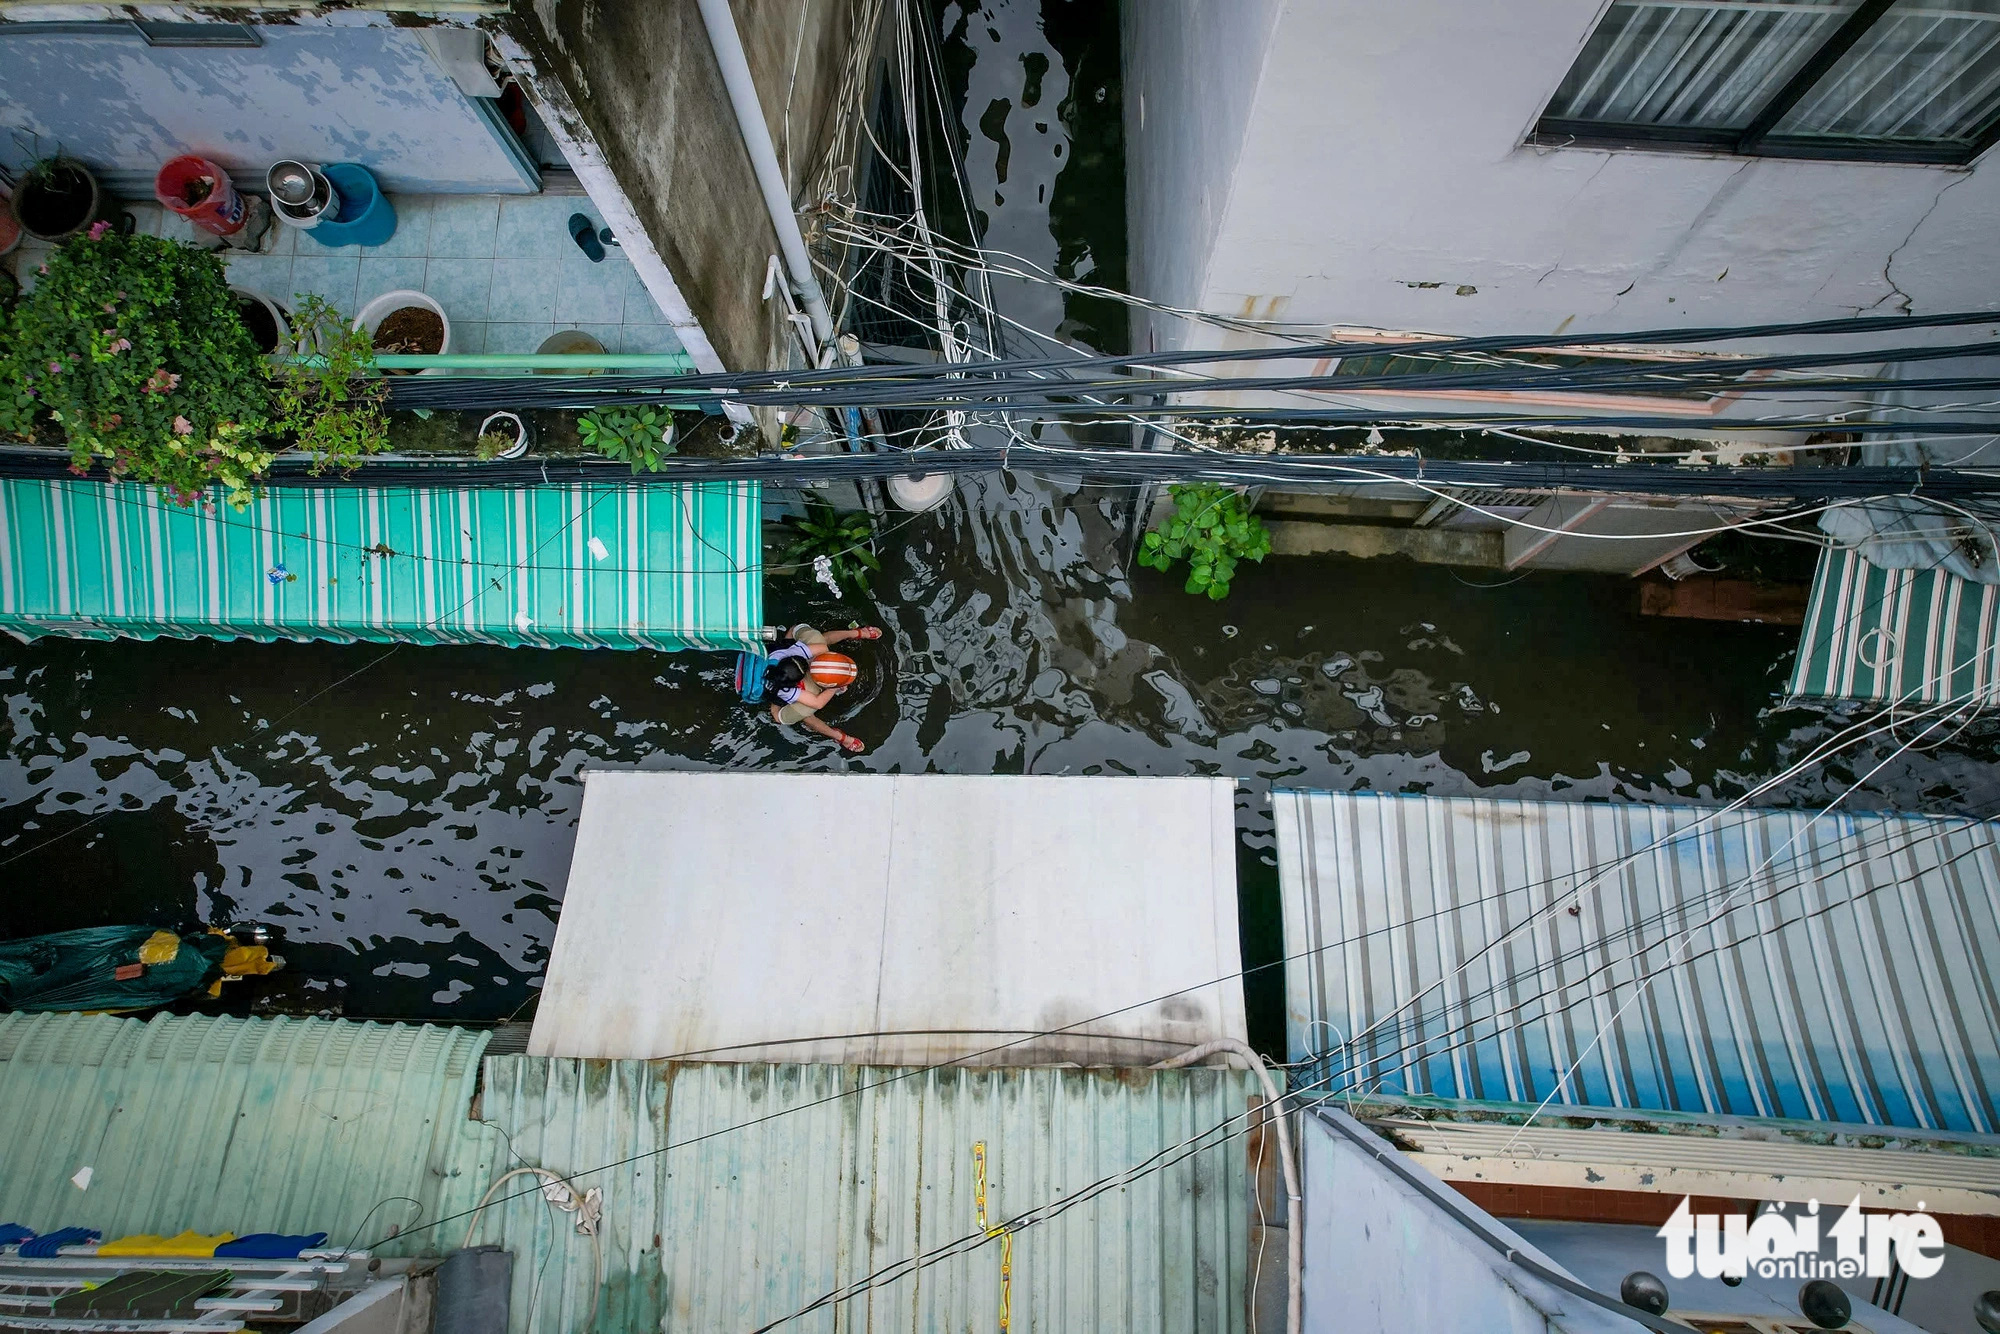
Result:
pixel 801 692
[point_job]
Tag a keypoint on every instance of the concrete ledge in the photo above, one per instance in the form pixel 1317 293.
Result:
pixel 1426 546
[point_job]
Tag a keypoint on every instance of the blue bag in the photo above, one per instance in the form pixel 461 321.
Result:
pixel 750 670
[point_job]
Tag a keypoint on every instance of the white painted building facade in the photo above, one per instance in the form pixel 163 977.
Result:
pixel 1363 164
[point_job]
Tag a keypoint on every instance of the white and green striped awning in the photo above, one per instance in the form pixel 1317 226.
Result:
pixel 573 566
pixel 1907 637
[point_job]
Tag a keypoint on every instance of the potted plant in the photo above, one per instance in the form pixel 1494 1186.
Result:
pixel 406 322
pixel 132 348
pixel 57 198
pixel 640 436
pixel 266 320
pixel 328 400
pixel 502 436
pixel 832 548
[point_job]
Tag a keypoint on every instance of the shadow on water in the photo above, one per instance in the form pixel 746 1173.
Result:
pixel 408 818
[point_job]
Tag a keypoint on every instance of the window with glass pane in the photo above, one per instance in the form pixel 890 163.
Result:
pixel 1693 64
pixel 1899 80
pixel 1925 72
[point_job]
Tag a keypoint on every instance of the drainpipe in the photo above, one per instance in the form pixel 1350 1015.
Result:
pixel 727 44
pixel 1288 1159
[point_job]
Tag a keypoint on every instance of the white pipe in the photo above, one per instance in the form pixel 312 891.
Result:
pixel 1295 1219
pixel 727 44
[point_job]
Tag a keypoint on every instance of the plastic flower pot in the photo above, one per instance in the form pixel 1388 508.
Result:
pixel 365 218
pixel 569 343
pixel 268 322
pixel 509 424
pixel 202 193
pixel 379 312
pixel 59 198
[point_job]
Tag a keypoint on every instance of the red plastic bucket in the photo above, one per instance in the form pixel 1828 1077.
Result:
pixel 201 192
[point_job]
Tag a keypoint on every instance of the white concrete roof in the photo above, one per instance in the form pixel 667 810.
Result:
pixel 896 919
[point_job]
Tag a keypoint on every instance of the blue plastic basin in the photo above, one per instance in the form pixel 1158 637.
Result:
pixel 366 216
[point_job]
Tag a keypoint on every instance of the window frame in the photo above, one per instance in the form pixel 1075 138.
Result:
pixel 1757 139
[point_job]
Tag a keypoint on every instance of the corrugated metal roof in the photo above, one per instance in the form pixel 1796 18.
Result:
pixel 1840 968
pixel 971 912
pixel 680 566
pixel 841 1171
pixel 1907 636
pixel 244 1125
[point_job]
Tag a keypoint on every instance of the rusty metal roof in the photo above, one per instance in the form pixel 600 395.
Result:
pixel 1004 919
pixel 836 1172
pixel 733 1194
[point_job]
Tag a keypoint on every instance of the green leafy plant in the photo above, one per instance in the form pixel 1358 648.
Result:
pixel 328 401
pixel 492 445
pixel 832 547
pixel 133 348
pixel 639 436
pixel 1214 530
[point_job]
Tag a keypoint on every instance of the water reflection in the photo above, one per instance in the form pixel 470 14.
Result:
pixel 408 816
pixel 410 827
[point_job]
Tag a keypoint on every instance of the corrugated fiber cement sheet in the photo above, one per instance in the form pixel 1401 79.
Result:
pixel 745 1193
pixel 896 919
pixel 572 566
pixel 242 1125
pixel 1835 967
pixel 1906 637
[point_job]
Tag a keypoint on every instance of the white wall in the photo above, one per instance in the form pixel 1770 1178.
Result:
pixel 1381 153
pixel 1192 72
pixel 1382 1258
pixel 318 92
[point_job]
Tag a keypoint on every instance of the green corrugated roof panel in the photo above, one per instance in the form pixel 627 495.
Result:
pixel 571 566
pixel 1909 637
pixel 243 1125
pixel 837 1172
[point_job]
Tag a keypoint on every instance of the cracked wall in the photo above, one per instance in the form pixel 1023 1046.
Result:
pixel 1379 179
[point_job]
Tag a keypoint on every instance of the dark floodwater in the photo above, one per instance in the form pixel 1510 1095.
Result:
pixel 408 818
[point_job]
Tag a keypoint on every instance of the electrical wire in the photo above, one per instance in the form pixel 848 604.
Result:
pixel 1820 752
pixel 1855 733
pixel 1158 1162
pixel 416 388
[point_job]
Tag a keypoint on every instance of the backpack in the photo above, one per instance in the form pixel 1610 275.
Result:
pixel 750 672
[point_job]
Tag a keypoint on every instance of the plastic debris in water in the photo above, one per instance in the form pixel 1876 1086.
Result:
pixel 1230 632
pixel 823 571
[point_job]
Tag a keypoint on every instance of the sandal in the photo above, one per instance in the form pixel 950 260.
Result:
pixel 869 632
pixel 584 232
pixel 851 744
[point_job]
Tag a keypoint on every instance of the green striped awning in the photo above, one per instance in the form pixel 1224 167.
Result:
pixel 576 566
pixel 1910 637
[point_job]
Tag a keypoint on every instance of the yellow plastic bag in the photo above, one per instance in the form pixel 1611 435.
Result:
pixel 186 1244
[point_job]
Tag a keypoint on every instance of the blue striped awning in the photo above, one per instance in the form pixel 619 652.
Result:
pixel 578 566
pixel 1836 967
pixel 1906 637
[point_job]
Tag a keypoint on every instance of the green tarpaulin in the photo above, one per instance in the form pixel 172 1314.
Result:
pixel 661 567
pixel 1907 637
